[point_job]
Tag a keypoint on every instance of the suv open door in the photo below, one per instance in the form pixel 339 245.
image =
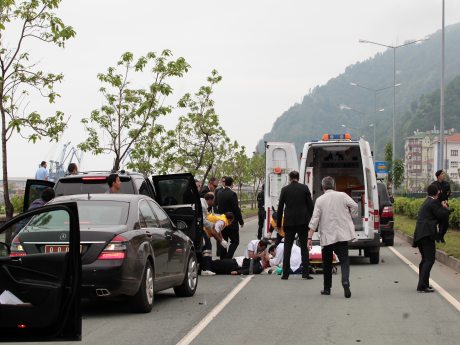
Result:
pixel 40 293
pixel 34 189
pixel 178 196
pixel 280 160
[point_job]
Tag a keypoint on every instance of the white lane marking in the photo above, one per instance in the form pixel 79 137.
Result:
pixel 448 297
pixel 190 336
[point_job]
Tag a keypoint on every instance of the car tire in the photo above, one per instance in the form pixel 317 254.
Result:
pixel 190 282
pixel 374 257
pixel 389 241
pixel 142 301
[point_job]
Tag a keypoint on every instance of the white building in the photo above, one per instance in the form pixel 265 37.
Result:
pixel 451 158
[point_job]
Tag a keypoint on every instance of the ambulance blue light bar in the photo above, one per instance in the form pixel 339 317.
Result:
pixel 327 137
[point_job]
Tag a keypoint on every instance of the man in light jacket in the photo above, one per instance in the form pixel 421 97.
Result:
pixel 332 216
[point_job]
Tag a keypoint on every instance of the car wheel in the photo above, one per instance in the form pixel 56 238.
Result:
pixel 142 301
pixel 374 257
pixel 389 241
pixel 190 282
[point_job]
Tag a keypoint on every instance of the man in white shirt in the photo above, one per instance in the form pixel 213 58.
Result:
pixel 42 173
pixel 277 260
pixel 332 216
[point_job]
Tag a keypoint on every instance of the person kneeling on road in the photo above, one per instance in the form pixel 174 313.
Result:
pixel 277 253
pixel 256 252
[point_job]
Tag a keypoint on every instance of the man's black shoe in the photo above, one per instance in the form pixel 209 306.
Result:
pixel 307 276
pixel 346 291
pixel 284 277
pixel 425 290
pixel 442 240
pixel 326 292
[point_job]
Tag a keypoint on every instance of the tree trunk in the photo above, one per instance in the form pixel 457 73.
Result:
pixel 208 169
pixel 6 194
pixel 116 164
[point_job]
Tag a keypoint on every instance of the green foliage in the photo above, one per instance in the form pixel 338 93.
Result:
pixel 409 207
pixel 18 203
pixel 198 143
pixel 19 76
pixel 397 172
pixel 128 118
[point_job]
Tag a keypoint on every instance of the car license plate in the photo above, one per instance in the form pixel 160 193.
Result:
pixel 58 249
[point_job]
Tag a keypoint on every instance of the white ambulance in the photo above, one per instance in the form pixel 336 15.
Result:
pixel 349 162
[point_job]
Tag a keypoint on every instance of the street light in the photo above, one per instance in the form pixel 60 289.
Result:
pixel 346 107
pixel 394 86
pixel 375 91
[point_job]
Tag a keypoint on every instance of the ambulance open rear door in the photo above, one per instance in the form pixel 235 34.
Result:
pixel 280 159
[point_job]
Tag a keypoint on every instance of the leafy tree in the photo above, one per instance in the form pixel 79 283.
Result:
pixel 389 159
pixel 198 141
pixel 257 172
pixel 398 173
pixel 237 166
pixel 129 116
pixel 19 77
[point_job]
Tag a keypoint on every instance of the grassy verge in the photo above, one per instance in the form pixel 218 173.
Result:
pixel 452 245
pixel 249 212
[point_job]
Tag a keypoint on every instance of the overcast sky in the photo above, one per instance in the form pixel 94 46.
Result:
pixel 270 53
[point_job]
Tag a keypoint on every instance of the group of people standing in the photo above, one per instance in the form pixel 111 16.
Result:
pixel 42 172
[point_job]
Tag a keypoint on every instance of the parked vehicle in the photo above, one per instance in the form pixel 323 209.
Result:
pixel 176 194
pixel 350 163
pixel 40 293
pixel 129 247
pixel 387 232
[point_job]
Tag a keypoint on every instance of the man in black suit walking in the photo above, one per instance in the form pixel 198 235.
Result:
pixel 228 202
pixel 431 213
pixel 296 202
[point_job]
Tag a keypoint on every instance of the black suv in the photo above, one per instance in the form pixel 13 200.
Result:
pixel 176 194
pixel 386 215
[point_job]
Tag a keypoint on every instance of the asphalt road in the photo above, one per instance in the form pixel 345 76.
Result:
pixel 384 309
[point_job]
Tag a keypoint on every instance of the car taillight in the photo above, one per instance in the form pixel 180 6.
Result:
pixel 387 212
pixel 16 248
pixel 115 250
pixel 376 220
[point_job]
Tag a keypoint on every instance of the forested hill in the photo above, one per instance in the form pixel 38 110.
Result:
pixel 418 69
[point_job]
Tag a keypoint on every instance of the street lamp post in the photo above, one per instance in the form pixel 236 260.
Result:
pixel 394 87
pixel 372 125
pixel 346 107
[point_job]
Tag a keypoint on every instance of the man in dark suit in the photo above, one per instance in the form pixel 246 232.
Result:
pixel 228 202
pixel 431 213
pixel 295 201
pixel 444 193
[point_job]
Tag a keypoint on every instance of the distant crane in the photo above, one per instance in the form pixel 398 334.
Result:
pixel 58 168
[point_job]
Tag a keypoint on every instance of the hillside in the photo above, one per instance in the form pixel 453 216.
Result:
pixel 419 73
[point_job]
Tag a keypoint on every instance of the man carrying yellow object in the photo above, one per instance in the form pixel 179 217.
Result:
pixel 213 224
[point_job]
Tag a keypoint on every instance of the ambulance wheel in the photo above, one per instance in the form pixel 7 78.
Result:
pixel 374 257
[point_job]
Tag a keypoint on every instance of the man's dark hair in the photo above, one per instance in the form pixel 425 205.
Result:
pixel 439 172
pixel 272 248
pixel 432 190
pixel 43 163
pixel 111 179
pixel 209 196
pixel 71 168
pixel 48 194
pixel 263 243
pixel 230 217
pixel 228 181
pixel 294 175
pixel 212 180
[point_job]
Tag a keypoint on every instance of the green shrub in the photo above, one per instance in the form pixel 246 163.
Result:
pixel 18 203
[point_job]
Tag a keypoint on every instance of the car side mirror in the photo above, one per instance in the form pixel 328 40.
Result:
pixel 4 249
pixel 181 225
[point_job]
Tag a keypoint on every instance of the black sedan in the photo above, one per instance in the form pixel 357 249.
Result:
pixel 128 244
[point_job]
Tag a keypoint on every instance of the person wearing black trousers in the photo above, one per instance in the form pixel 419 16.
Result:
pixel 227 201
pixel 431 213
pixel 297 206
pixel 261 213
pixel 444 193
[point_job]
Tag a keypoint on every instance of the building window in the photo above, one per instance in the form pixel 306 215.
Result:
pixel 454 153
pixel 454 176
pixel 454 164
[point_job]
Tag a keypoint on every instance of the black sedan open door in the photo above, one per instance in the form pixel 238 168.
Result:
pixel 178 196
pixel 40 293
pixel 34 189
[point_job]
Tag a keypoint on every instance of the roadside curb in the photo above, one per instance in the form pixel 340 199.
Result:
pixel 441 256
